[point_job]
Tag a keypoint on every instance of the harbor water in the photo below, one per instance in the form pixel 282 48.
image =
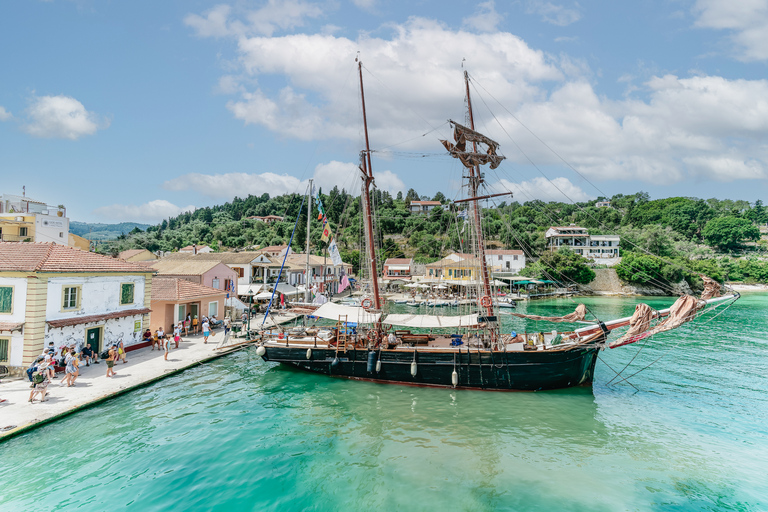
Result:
pixel 242 434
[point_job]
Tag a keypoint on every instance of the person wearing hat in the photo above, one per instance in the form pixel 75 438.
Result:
pixel 40 382
pixel 111 356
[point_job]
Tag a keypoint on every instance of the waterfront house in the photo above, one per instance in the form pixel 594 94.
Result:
pixel 174 298
pixel 508 260
pixel 137 255
pixel 207 273
pixel 397 268
pixel 582 243
pixel 423 206
pixel 323 273
pixel 50 292
pixel 274 251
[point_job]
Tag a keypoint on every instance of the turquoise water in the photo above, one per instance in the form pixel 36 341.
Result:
pixel 241 434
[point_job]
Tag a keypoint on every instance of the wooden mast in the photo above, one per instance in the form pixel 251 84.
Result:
pixel 367 180
pixel 475 179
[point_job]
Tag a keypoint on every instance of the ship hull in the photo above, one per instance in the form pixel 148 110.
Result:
pixel 507 371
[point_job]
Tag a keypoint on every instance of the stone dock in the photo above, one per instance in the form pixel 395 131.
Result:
pixel 144 366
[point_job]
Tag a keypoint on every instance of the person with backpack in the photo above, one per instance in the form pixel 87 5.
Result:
pixel 32 367
pixel 40 382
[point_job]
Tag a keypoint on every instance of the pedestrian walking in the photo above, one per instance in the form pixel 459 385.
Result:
pixel 70 369
pixel 111 355
pixel 206 330
pixel 187 324
pixel 195 325
pixel 166 346
pixel 76 364
pixel 40 381
pixel 121 351
pixel 177 334
pixel 33 367
pixel 227 325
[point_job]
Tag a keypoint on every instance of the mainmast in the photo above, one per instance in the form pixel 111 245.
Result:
pixel 367 171
pixel 475 178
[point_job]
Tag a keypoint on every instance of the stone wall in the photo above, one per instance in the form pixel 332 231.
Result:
pixel 607 282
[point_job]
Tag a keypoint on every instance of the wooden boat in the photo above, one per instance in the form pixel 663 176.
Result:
pixel 466 351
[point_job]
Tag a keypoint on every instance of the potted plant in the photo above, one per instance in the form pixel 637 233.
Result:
pixel 60 213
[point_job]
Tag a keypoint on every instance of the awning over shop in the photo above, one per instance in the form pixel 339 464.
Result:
pixel 250 288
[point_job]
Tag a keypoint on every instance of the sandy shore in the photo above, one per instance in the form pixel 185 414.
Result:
pixel 748 287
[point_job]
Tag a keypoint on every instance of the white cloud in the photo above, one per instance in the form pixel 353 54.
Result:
pixel 4 114
pixel 485 18
pixel 555 14
pixel 558 189
pixel 61 117
pixel 419 65
pixel 274 15
pixel 747 20
pixel 366 5
pixel 228 185
pixel 153 211
pixel 700 127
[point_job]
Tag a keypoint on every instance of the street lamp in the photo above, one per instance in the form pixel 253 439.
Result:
pixel 250 307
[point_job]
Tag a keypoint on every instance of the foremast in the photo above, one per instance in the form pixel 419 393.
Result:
pixel 367 170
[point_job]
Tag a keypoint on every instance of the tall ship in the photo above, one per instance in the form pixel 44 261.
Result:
pixel 467 351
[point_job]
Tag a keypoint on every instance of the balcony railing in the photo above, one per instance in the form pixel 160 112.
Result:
pixel 14 238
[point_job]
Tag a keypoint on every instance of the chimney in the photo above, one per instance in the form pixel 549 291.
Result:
pixel 194 248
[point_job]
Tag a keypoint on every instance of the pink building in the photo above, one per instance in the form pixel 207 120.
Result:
pixel 213 274
pixel 398 268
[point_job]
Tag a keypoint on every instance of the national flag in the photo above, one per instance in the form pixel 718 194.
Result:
pixel 463 214
pixel 326 230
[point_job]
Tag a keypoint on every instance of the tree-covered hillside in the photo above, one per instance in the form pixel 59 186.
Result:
pixel 678 232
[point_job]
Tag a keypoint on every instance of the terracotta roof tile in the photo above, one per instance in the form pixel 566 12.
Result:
pixel 398 261
pixel 497 252
pixel 51 257
pixel 175 289
pixel 184 267
pixel 64 322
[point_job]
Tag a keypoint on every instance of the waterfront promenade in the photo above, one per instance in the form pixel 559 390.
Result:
pixel 92 386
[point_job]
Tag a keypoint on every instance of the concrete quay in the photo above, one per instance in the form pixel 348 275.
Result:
pixel 144 366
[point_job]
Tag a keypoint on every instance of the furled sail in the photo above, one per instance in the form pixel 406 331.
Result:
pixel 638 324
pixel 431 321
pixel 462 135
pixel 683 310
pixel 576 316
pixel 711 288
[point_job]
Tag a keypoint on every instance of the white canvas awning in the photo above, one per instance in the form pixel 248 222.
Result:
pixel 265 296
pixel 431 321
pixel 356 314
pixel 245 290
pixel 234 302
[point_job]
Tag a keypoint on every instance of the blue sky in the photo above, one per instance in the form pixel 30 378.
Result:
pixel 135 111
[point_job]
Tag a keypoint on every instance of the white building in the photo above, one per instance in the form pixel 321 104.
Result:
pixel 423 206
pixel 50 292
pixel 581 242
pixel 505 260
pixel 25 219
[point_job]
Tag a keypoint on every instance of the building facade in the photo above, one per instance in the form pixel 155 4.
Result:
pixel 397 268
pixel 506 260
pixel 173 299
pixel 423 206
pixel 23 219
pixel 582 243
pixel 54 293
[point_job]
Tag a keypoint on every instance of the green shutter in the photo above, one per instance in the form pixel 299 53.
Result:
pixel 6 299
pixel 126 293
pixel 4 350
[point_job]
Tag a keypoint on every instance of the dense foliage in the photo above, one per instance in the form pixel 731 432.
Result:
pixel 660 237
pixel 563 266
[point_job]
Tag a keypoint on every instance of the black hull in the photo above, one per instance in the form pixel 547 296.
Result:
pixel 507 371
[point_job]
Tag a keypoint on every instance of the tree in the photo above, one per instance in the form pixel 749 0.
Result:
pixel 563 265
pixel 728 233
pixel 440 197
pixel 411 195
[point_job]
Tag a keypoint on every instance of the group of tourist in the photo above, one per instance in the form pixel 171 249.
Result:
pixel 42 371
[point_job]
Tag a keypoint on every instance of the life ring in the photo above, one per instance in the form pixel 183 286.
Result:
pixel 486 301
pixel 367 303
pixel 280 336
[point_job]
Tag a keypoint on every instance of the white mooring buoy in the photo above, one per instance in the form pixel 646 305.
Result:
pixel 309 353
pixel 378 366
pixel 414 368
pixel 455 378
pixel 261 351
